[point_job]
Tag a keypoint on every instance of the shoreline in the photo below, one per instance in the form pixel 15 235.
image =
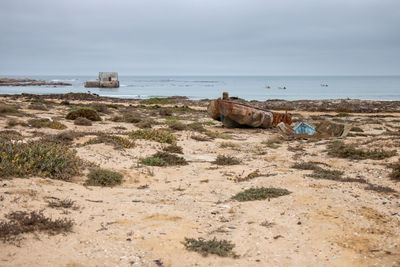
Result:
pixel 326 105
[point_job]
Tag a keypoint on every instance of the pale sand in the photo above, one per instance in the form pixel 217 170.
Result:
pixel 321 223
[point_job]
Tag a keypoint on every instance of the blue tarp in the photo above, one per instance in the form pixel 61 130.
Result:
pixel 304 128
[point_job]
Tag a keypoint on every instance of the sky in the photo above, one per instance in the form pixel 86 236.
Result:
pixel 200 37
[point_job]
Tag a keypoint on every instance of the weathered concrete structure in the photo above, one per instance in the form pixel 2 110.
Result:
pixel 105 80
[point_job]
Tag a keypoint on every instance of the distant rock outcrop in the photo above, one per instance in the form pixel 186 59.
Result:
pixel 28 82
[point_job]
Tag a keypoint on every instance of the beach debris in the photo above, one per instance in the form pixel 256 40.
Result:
pixel 324 129
pixel 105 80
pixel 285 128
pixel 303 128
pixel 234 114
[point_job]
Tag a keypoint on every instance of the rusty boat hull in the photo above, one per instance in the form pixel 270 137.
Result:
pixel 233 114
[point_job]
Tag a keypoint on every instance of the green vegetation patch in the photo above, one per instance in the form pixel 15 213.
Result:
pixel 197 127
pixel 46 123
pixel 116 141
pixel 38 158
pixel 129 117
pixel 356 129
pixel 103 177
pixel 226 160
pixel 343 114
pixel 222 248
pixel 176 125
pixel 10 135
pixel 82 121
pixel 228 145
pixel 163 159
pixel 260 193
pixel 8 109
pixel 218 135
pixel 87 113
pixel 395 174
pixel 157 101
pixel 341 150
pixel 63 138
pixel 37 106
pixel 159 135
pixel 173 149
pixel 200 138
pixel 21 222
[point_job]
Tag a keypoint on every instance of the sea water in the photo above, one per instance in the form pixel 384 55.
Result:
pixel 246 87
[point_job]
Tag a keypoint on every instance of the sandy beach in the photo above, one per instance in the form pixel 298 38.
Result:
pixel 351 219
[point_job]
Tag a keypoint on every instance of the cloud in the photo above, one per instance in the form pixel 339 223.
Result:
pixel 303 37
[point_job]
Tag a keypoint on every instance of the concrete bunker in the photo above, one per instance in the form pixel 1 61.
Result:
pixel 105 80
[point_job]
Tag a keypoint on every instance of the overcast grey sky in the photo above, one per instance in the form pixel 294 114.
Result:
pixel 203 37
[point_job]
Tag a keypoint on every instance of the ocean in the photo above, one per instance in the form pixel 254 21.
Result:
pixel 246 87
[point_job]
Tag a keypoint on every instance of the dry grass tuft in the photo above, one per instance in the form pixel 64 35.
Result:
pixel 21 222
pixel 82 121
pixel 62 203
pixel 226 160
pixel 340 149
pixel 222 248
pixel 173 149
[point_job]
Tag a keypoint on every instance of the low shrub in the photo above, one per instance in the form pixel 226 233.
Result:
pixel 10 135
pixel 176 125
pixel 226 160
pixel 46 123
pixel 37 106
pixel 129 117
pixel 145 124
pixel 200 138
pixel 228 145
pixel 165 112
pixel 82 121
pixel 157 101
pixel 173 149
pixel 87 113
pixel 163 159
pixel 339 149
pixel 343 114
pixel 62 203
pixel 116 141
pixel 395 174
pixel 356 129
pixel 158 135
pixel 14 122
pixel 8 109
pixel 218 135
pixel 38 158
pixel 222 248
pixel 21 222
pixel 103 177
pixel 260 193
pixel 63 138
pixel 197 127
